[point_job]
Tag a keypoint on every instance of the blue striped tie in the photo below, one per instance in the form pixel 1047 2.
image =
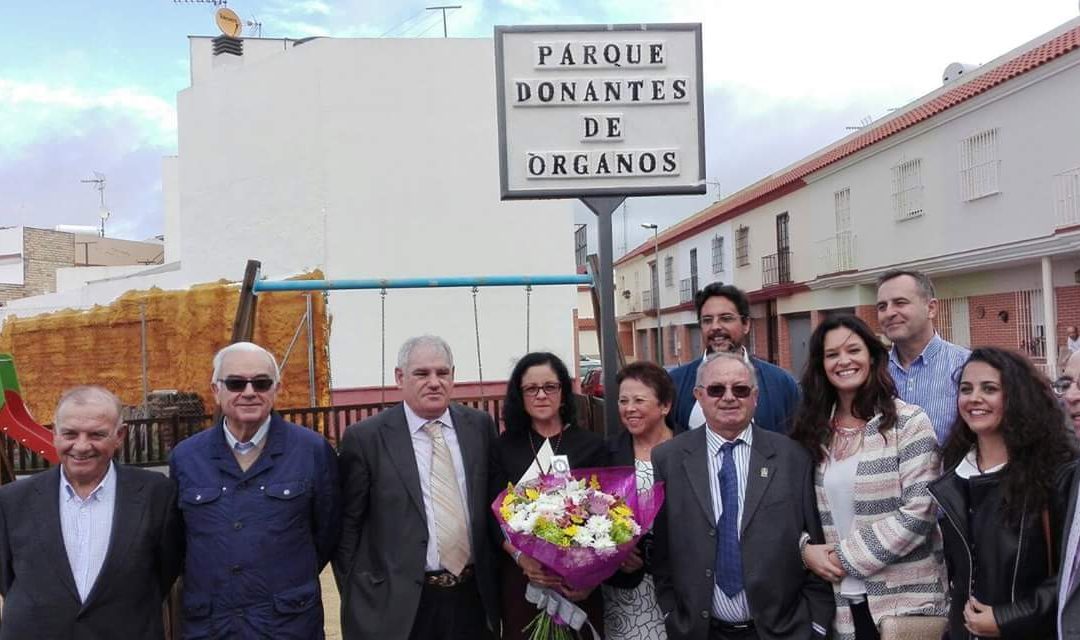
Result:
pixel 728 557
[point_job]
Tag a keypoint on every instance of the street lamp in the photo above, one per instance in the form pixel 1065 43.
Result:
pixel 656 292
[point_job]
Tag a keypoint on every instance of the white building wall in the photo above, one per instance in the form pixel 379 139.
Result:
pixel 170 190
pixel 372 159
pixel 11 248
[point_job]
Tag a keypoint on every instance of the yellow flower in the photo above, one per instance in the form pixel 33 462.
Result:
pixel 622 510
pixel 570 530
pixel 532 494
pixel 594 483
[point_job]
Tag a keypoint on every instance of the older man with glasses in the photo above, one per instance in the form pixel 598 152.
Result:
pixel 259 499
pixel 739 498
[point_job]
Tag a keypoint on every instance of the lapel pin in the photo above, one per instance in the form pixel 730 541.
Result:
pixel 764 472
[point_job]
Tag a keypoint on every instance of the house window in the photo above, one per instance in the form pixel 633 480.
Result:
pixel 1030 323
pixel 669 271
pixel 953 321
pixel 1067 198
pixel 718 254
pixel 979 165
pixel 742 246
pixel 907 189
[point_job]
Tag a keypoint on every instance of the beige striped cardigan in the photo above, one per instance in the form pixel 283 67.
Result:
pixel 895 543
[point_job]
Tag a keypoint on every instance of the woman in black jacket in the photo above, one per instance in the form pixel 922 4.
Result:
pixel 1004 496
pixel 631 611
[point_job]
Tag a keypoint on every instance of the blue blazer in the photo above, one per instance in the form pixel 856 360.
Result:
pixel 778 396
pixel 256 540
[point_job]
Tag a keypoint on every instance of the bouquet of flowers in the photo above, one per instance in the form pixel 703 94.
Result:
pixel 580 525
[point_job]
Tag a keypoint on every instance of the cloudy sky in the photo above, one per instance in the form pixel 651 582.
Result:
pixel 91 85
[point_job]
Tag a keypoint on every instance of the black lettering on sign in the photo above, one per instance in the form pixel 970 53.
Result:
pixel 669 161
pixel 536 165
pixel 545 91
pixel 592 126
pixel 524 91
pixel 678 88
pixel 544 51
pixel 656 53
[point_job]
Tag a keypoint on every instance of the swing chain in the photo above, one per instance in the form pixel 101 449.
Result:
pixel 528 314
pixel 479 361
pixel 382 349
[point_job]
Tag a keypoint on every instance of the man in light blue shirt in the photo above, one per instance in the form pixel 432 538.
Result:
pixel 97 543
pixel 923 365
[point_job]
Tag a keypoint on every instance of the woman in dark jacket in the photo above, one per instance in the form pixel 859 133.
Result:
pixel 631 611
pixel 1009 467
pixel 539 409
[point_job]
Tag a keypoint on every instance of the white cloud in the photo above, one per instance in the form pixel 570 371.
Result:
pixel 33 110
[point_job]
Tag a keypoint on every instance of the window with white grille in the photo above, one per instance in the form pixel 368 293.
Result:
pixel 669 271
pixel 1067 198
pixel 954 321
pixel 742 246
pixel 907 189
pixel 718 254
pixel 979 165
pixel 842 210
pixel 1030 323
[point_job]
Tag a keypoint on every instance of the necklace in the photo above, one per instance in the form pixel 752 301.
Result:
pixel 554 450
pixel 846 441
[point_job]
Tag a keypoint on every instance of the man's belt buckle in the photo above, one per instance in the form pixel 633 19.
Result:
pixel 445 579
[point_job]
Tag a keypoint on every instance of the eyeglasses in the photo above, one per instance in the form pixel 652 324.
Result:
pixel 740 391
pixel 236 384
pixel 549 389
pixel 1061 385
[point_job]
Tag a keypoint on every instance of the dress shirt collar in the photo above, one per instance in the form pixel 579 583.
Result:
pixel 256 439
pixel 417 423
pixel 931 349
pixel 714 440
pixel 67 492
pixel 969 466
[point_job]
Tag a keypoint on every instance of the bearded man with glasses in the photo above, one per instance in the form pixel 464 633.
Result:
pixel 738 498
pixel 259 499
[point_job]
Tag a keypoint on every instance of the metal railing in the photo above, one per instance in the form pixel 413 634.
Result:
pixel 649 300
pixel 686 290
pixel 776 269
pixel 836 253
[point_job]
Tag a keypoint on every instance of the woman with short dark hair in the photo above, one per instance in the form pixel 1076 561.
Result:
pixel 631 611
pixel 539 410
pixel 1010 465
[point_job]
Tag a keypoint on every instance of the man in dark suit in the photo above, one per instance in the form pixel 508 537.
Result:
pixel 724 316
pixel 738 499
pixel 88 550
pixel 1068 386
pixel 416 559
pixel 260 505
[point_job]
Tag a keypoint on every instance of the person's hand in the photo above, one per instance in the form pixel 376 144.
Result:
pixel 575 595
pixel 822 560
pixel 632 563
pixel 979 619
pixel 536 573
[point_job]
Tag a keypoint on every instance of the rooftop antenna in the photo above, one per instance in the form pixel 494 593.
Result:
pixel 99 183
pixel 715 183
pixel 443 8
pixel 216 3
pixel 866 120
pixel 254 26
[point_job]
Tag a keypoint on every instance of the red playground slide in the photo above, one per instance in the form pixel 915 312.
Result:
pixel 15 421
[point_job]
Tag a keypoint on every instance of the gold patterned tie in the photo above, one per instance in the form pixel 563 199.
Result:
pixel 450 529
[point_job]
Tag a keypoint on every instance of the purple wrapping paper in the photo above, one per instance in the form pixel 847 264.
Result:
pixel 584 568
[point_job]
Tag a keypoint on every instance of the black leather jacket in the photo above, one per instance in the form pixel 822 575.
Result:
pixel 1007 566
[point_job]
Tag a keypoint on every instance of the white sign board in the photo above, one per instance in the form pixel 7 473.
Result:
pixel 600 110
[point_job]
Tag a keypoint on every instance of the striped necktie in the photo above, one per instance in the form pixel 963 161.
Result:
pixel 450 530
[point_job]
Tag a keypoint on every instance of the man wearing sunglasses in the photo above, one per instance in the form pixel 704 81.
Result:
pixel 723 313
pixel 738 498
pixel 259 499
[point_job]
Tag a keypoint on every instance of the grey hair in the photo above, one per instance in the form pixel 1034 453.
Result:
pixel 410 345
pixel 244 347
pixel 726 355
pixel 922 281
pixel 88 394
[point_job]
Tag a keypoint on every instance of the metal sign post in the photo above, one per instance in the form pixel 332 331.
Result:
pixel 600 113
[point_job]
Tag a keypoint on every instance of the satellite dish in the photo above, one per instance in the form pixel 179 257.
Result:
pixel 230 24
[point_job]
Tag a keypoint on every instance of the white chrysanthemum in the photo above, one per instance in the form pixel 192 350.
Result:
pixel 598 525
pixel 583 537
pixel 523 520
pixel 603 541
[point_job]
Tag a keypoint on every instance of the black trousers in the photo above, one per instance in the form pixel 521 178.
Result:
pixel 450 613
pixel 865 629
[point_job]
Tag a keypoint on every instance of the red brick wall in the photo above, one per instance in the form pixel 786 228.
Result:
pixel 784 343
pixel 1068 311
pixel 868 314
pixel 761 337
pixel 990 330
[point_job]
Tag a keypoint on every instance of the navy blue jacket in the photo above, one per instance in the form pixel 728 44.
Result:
pixel 778 396
pixel 256 540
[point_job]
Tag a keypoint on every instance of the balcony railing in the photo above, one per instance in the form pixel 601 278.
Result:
pixel 649 300
pixel 686 290
pixel 776 269
pixel 836 253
